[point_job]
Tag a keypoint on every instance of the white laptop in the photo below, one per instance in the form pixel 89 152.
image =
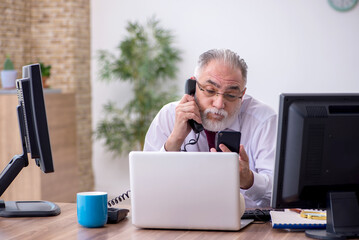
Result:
pixel 185 190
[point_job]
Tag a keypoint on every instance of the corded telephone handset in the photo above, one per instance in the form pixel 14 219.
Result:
pixel 190 89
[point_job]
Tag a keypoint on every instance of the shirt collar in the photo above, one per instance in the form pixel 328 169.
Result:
pixel 235 126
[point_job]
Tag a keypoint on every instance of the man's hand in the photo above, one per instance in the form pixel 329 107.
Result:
pixel 246 175
pixel 185 110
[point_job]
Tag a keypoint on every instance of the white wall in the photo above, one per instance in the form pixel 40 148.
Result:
pixel 289 46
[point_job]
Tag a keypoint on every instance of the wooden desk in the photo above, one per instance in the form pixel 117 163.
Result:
pixel 65 226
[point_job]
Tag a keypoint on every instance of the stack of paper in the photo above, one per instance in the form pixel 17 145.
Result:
pixel 293 220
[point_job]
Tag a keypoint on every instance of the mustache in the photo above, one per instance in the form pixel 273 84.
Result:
pixel 213 110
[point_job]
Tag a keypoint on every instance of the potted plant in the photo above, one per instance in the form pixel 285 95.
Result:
pixel 45 74
pixel 8 75
pixel 147 59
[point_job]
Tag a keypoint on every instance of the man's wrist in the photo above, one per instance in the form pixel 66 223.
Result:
pixel 173 144
pixel 250 181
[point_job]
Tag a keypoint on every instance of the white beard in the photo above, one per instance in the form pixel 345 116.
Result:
pixel 213 125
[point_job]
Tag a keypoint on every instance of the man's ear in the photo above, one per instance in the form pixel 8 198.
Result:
pixel 244 91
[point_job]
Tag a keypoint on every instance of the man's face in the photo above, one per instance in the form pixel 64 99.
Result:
pixel 218 111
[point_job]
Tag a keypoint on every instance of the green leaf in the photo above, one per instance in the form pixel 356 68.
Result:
pixel 8 65
pixel 147 59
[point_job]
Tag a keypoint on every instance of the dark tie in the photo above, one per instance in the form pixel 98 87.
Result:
pixel 211 136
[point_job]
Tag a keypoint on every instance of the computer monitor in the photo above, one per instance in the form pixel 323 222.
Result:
pixel 35 140
pixel 317 159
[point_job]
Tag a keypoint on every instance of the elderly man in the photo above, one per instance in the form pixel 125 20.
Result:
pixel 220 103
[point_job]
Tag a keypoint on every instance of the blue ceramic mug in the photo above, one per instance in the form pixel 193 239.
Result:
pixel 92 209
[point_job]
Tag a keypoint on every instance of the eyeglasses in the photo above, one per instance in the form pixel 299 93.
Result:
pixel 209 91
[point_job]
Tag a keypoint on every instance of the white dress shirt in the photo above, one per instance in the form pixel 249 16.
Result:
pixel 257 123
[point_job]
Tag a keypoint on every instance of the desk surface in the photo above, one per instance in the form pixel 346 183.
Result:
pixel 65 226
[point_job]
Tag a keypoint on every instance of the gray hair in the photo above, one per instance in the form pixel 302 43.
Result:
pixel 226 56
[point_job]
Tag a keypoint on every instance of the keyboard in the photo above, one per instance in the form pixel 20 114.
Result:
pixel 257 214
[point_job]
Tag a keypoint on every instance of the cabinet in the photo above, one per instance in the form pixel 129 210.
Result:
pixel 32 183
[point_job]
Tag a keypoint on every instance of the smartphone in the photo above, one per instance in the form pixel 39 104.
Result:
pixel 190 89
pixel 231 139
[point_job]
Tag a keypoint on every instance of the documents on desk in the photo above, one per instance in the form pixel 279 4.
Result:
pixel 292 220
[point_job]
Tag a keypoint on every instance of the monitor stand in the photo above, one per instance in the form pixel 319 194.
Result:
pixel 342 217
pixel 22 208
pixel 28 209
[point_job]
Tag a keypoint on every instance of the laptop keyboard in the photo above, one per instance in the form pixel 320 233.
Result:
pixel 257 214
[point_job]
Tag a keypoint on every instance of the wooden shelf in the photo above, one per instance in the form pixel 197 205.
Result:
pixel 32 183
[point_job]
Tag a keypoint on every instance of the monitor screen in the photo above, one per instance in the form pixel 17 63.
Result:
pixel 35 140
pixel 31 98
pixel 317 151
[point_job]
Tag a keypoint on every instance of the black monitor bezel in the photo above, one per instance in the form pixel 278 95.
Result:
pixel 35 118
pixel 286 100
